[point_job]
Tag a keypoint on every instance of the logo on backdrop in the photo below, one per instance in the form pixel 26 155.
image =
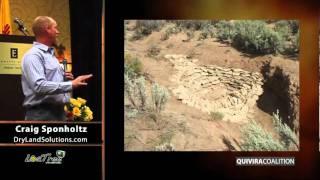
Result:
pixel 14 53
pixel 46 158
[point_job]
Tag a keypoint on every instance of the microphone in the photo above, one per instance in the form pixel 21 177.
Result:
pixel 21 27
pixel 64 62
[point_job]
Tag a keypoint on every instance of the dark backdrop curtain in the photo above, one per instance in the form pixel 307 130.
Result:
pixel 85 25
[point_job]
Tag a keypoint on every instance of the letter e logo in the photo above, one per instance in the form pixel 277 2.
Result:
pixel 14 53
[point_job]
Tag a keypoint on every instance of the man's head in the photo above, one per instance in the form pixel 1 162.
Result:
pixel 45 28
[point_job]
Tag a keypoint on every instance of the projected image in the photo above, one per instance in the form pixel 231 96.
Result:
pixel 211 85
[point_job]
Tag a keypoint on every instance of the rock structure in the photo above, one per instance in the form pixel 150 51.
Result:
pixel 214 89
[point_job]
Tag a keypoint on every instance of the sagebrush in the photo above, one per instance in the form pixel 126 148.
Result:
pixel 135 88
pixel 145 27
pixel 160 96
pixel 257 139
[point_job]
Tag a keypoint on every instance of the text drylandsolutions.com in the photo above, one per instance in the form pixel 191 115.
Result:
pixel 46 129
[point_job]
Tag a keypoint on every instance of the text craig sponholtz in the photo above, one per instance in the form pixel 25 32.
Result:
pixel 53 129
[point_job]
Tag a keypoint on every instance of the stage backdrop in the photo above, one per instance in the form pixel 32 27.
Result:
pixel 58 9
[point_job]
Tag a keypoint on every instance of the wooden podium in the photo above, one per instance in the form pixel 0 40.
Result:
pixel 12 49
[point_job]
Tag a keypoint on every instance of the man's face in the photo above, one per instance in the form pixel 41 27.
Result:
pixel 53 33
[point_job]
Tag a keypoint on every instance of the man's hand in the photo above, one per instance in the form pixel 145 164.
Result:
pixel 69 75
pixel 81 81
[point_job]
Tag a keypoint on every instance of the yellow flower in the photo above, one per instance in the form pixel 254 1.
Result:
pixel 82 101
pixel 76 112
pixel 65 109
pixel 75 103
pixel 88 118
pixel 89 114
pixel 79 110
pixel 72 100
pixel 87 110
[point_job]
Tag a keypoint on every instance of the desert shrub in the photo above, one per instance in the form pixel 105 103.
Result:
pixel 129 89
pixel 129 71
pixel 269 21
pixel 294 26
pixel 135 88
pixel 225 30
pixel 141 91
pixel 288 30
pixel 208 31
pixel 189 26
pixel 160 96
pixel 153 25
pixel 291 45
pixel 295 42
pixel 283 29
pixel 165 147
pixel 288 137
pixel 169 31
pixel 140 33
pixel 255 38
pixel 257 139
pixel 135 91
pixel 132 66
pixel 193 25
pixel 132 113
pixel 190 35
pixel 153 51
pixel 145 27
pixel 216 115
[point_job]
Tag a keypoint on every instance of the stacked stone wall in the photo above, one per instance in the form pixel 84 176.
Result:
pixel 232 92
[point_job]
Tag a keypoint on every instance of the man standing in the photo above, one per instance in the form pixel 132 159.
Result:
pixel 42 78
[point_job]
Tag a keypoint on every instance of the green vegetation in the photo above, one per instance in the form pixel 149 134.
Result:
pixel 135 91
pixel 255 38
pixel 288 137
pixel 134 82
pixel 225 30
pixel 257 139
pixel 216 116
pixel 145 27
pixel 132 67
pixel 164 147
pixel 169 31
pixel 249 36
pixel 289 34
pixel 208 31
pixel 160 96
pixel 135 88
pixel 194 25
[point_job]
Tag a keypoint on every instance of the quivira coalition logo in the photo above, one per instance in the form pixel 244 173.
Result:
pixel 46 158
